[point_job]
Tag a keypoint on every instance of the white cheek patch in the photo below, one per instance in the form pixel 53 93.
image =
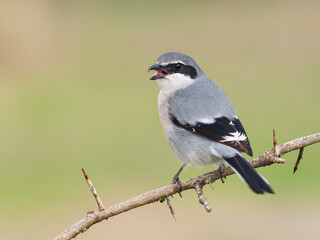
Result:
pixel 174 81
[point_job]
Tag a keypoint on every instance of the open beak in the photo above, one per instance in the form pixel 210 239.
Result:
pixel 160 72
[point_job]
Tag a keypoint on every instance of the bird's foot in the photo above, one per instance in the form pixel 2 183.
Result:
pixel 177 182
pixel 220 170
pixel 176 179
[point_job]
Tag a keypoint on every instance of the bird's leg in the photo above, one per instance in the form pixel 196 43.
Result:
pixel 220 170
pixel 176 179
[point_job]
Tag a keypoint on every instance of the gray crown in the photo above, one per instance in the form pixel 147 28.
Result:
pixel 172 57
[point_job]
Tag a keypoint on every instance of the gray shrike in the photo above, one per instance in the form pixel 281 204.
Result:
pixel 199 121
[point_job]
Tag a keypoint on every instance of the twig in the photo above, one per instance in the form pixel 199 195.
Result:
pixel 202 198
pixel 298 160
pixel 155 195
pixel 94 192
pixel 171 208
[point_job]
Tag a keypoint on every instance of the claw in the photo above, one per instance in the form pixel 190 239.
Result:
pixel 221 169
pixel 177 181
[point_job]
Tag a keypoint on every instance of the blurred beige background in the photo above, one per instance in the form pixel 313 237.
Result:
pixel 74 93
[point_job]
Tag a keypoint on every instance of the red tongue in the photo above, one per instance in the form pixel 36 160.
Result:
pixel 159 72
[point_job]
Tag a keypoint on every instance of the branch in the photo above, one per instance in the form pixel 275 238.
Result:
pixel 267 158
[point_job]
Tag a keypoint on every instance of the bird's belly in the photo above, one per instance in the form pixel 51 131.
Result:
pixel 188 147
pixel 192 149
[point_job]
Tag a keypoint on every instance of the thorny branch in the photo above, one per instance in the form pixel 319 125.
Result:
pixel 267 158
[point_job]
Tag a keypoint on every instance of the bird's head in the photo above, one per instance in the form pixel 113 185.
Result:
pixel 175 71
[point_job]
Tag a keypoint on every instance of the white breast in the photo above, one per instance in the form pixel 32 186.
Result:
pixel 163 106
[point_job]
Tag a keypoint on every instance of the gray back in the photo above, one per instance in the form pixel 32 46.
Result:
pixel 201 100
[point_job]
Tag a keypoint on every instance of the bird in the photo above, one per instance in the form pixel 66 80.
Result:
pixel 199 121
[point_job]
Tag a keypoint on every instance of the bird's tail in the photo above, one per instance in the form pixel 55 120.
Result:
pixel 255 181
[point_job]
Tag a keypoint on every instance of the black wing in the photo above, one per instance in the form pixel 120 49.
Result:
pixel 223 130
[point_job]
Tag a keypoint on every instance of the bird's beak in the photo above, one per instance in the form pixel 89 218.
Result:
pixel 160 73
pixel 155 67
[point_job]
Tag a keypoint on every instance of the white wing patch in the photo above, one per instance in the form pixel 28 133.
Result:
pixel 206 120
pixel 235 136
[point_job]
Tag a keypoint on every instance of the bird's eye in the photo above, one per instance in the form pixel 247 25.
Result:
pixel 177 66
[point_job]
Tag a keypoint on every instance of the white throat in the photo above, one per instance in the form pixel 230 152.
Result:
pixel 173 82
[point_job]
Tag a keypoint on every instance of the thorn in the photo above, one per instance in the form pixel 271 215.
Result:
pixel 85 175
pixel 171 208
pixel 274 138
pixel 298 160
pixel 275 144
pixel 94 192
pixel 210 185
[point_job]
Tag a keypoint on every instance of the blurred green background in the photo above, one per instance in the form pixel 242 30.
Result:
pixel 74 93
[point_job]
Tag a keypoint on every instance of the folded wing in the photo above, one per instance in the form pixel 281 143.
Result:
pixel 226 131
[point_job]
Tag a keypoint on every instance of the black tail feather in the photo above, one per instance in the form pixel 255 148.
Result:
pixel 254 180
